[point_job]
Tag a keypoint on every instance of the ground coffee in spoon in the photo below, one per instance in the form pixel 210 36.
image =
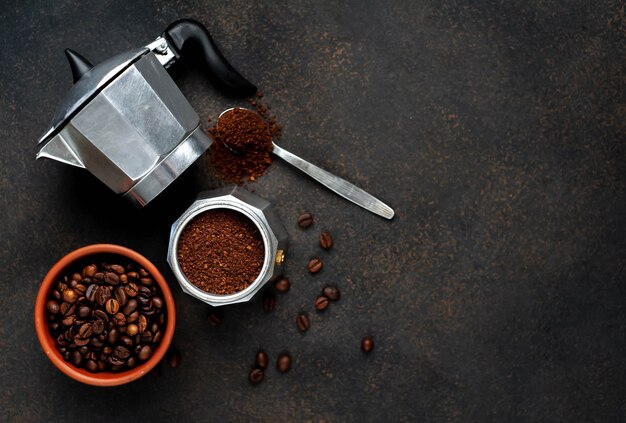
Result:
pixel 251 133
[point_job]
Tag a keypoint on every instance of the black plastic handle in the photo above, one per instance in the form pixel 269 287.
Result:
pixel 188 31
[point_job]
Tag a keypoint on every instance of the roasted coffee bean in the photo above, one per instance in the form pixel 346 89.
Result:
pixel 107 351
pixel 282 284
pixel 367 344
pixel 120 296
pixel 326 240
pixel 302 322
pixel 145 352
pixel 144 294
pixel 216 317
pixel 112 306
pixel 76 358
pixel 97 326
pixel 156 338
pixel 305 220
pixel 314 265
pixel 132 317
pixel 146 337
pixel 331 292
pixel 146 281
pixel 132 329
pixel 113 337
pixel 70 296
pixel 261 359
pixel 174 358
pixel 53 326
pixel 62 340
pixel 101 314
pixel 161 319
pixel 81 341
pixel 321 303
pixel 115 362
pixel 84 312
pixel 130 306
pixel 124 279
pixel 83 351
pixel 133 275
pixel 131 362
pixel 131 290
pixel 111 278
pixel 269 302
pixel 91 292
pixel 52 306
pixel 77 277
pixel 85 330
pixel 127 341
pixel 90 270
pixel 117 269
pixel 148 312
pixel 100 295
pixel 56 295
pixel 142 323
pixel 119 319
pixel 99 276
pixel 143 273
pixel 157 302
pixel 154 328
pixel 50 317
pixel 256 376
pixel 81 289
pixel 283 362
pixel 91 365
pixel 69 320
pixel 96 343
pixel 121 352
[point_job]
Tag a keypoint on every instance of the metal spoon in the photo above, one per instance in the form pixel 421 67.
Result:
pixel 340 186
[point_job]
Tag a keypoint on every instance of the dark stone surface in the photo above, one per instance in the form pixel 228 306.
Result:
pixel 495 129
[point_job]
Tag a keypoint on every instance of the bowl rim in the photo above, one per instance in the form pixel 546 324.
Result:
pixel 48 344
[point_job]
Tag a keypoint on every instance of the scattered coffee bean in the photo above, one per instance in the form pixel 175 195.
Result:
pixel 314 265
pixel 111 278
pixel 326 240
pixel 367 344
pixel 118 269
pixel 132 329
pixel 302 322
pixel 305 220
pixel 174 358
pixel 331 292
pixel 282 285
pixel 216 317
pixel 321 303
pixel 119 319
pixel 256 376
pixel 269 302
pixel 262 359
pixel 283 362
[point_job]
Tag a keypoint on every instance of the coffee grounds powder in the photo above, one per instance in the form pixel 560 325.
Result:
pixel 221 251
pixel 251 135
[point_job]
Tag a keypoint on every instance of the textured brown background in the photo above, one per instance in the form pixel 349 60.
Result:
pixel 495 129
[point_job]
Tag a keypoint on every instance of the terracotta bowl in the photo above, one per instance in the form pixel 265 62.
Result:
pixel 48 343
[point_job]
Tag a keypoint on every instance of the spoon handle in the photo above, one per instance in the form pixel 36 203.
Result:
pixel 340 186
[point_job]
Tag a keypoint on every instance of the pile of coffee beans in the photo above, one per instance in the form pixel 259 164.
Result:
pixel 106 317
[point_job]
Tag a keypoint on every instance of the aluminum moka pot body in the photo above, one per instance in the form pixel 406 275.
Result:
pixel 126 121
